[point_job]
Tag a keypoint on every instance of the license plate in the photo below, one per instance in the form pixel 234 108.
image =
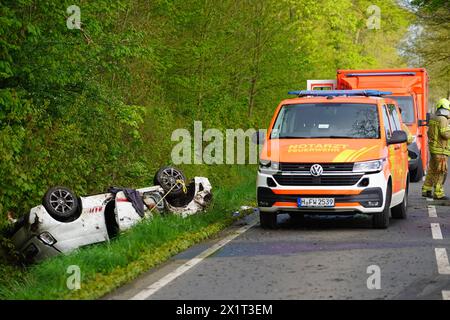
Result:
pixel 315 202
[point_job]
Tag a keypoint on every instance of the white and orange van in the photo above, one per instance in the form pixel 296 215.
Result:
pixel 332 152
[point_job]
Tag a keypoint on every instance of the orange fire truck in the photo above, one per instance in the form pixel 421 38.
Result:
pixel 409 88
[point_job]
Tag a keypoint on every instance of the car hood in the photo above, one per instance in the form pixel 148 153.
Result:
pixel 323 150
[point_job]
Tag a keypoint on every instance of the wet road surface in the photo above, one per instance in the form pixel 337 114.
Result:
pixel 320 258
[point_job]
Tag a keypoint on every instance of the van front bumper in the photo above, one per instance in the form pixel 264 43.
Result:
pixel 348 199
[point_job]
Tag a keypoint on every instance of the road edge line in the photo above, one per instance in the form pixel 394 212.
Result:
pixel 156 286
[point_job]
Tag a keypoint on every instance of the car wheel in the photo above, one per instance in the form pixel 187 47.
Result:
pixel 400 211
pixel 62 204
pixel 381 220
pixel 168 178
pixel 268 220
pixel 417 174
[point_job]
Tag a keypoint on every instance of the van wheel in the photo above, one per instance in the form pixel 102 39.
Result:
pixel 381 220
pixel 268 220
pixel 417 175
pixel 400 211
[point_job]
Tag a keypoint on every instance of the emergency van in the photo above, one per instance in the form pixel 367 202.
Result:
pixel 409 88
pixel 334 152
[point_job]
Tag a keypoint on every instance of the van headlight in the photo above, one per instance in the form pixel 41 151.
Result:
pixel 369 166
pixel 269 165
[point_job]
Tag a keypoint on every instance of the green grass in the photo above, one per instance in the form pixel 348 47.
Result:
pixel 106 266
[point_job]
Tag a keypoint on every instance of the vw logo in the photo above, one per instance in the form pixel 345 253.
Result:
pixel 316 170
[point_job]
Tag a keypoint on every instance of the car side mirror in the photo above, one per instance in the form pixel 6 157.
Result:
pixel 398 136
pixel 259 137
pixel 424 123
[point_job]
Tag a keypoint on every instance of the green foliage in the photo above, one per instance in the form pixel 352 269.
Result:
pixel 96 107
pixel 428 45
pixel 61 121
pixel 431 4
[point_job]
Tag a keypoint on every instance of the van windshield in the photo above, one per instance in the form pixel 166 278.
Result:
pixel 406 104
pixel 327 120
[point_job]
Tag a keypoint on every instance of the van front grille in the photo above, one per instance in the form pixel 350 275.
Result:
pixel 305 167
pixel 308 180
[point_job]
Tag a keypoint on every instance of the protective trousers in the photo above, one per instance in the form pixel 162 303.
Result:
pixel 436 176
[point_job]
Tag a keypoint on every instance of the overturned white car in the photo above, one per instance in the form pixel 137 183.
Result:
pixel 65 222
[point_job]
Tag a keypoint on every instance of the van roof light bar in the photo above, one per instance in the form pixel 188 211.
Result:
pixel 339 93
pixel 381 74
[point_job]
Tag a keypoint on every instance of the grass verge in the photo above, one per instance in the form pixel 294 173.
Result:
pixel 104 267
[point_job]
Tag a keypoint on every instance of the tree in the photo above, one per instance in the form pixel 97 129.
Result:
pixel 429 48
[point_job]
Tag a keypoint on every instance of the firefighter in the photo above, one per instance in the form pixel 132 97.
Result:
pixel 439 145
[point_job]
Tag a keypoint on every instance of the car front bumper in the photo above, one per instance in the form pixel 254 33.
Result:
pixel 31 247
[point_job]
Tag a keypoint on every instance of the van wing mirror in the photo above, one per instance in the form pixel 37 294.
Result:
pixel 424 123
pixel 259 137
pixel 398 136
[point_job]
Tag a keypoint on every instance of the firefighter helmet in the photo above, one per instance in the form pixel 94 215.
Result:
pixel 443 104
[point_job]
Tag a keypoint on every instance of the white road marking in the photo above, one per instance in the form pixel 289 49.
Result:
pixel 430 199
pixel 441 253
pixel 436 231
pixel 442 261
pixel 149 291
pixel 445 295
pixel 432 211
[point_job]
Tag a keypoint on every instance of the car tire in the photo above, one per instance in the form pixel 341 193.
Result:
pixel 417 174
pixel 61 204
pixel 268 220
pixel 166 178
pixel 400 211
pixel 381 220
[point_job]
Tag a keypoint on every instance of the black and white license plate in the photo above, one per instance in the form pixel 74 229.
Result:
pixel 315 202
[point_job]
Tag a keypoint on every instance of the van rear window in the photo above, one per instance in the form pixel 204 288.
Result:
pixel 327 120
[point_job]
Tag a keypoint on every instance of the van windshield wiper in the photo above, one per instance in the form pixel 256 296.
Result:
pixel 331 137
pixel 290 137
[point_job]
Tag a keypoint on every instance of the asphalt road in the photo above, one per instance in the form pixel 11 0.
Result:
pixel 322 258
